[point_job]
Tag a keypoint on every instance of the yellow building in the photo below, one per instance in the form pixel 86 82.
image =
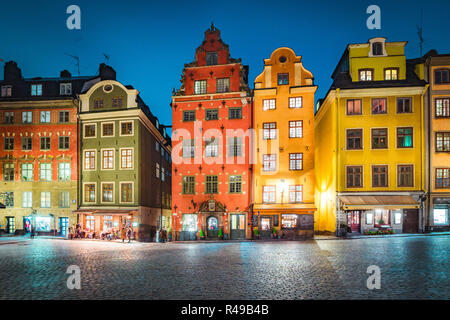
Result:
pixel 369 133
pixel 284 171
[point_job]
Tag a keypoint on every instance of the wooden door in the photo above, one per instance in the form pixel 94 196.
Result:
pixel 410 220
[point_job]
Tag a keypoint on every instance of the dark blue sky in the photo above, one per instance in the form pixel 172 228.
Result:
pixel 149 41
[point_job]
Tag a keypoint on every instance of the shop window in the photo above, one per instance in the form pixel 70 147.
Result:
pixel 189 222
pixel 288 221
pixel 398 217
pixel 379 106
pixel 10 224
pixel 354 107
pixel 213 224
pixel 442 107
pixel 380 138
pixel 405 137
pixel 265 224
pixel 354 139
pixel 369 218
pixel 405 176
pixel 442 141
pixel 90 223
pixel 440 216
pixel 381 217
pixel 404 105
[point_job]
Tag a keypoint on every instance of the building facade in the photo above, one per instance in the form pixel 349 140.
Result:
pixel 38 154
pixel 284 169
pixel 211 112
pixel 125 162
pixel 370 143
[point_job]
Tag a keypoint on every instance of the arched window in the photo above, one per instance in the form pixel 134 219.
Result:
pixel 441 76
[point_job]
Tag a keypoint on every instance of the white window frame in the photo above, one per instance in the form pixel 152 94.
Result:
pixel 132 158
pixel 269 104
pixel 84 192
pixel 64 169
pixel 295 102
pixel 65 88
pixel 27 199
pixel 84 160
pixel 120 191
pixel 113 192
pixel 40 171
pixel 202 87
pixel 114 129
pixel 84 130
pixel 27 115
pixel 113 159
pixel 46 199
pixel 132 128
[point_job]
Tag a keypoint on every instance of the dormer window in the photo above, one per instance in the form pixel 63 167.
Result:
pixel 65 89
pixel 6 91
pixel 391 74
pixel 211 58
pixel 377 48
pixel 365 74
pixel 441 76
pixel 36 89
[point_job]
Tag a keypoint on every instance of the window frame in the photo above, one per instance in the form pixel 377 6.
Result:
pixel 445 107
pixel 391 69
pixel 121 123
pixel 445 140
pixel 231 110
pixel 292 157
pixel 269 193
pixel 283 78
pixel 361 137
pixel 399 166
pixel 445 178
pixel 208 112
pixel 366 70
pixel 188 186
pixel 385 106
pixel 213 183
pixel 202 87
pixel 347 173
pixel 386 136
pixel 293 102
pixel 113 156
pixel 296 127
pixel 270 130
pixel 224 87
pixel 410 105
pixel 270 105
pixel 378 174
pixel 441 70
pixel 398 136
pixel 353 113
pixel 237 183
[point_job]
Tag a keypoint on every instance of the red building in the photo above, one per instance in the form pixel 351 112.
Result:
pixel 211 171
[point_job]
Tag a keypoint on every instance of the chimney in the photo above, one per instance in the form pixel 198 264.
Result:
pixel 65 74
pixel 12 71
pixel 106 72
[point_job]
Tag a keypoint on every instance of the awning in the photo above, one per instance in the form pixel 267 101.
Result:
pixel 105 212
pixel 372 202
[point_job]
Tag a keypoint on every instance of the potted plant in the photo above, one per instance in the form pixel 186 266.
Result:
pixel 220 235
pixel 202 235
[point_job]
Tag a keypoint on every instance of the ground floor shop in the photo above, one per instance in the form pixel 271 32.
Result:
pixel 381 214
pixel 438 209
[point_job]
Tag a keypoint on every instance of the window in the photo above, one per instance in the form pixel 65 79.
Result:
pixel 107 192
pixel 117 102
pixel 98 103
pixel 27 143
pixel 45 143
pixel 212 114
pixel 377 48
pixel 398 217
pixel 188 185
pixel 89 160
pixel 27 117
pixel 200 87
pixel 379 106
pixel 269 104
pixel 234 147
pixel 295 102
pixel 6 91
pixel 405 176
pixel 295 129
pixel 108 159
pixel 65 88
pixel 89 130
pixel 9 143
pixel 269 130
pixel 89 192
pixel 295 193
pixel 63 116
pixel 269 194
pixel 163 174
pixel 212 184
pixel 27 172
pixel 126 158
pixel 442 141
pixel 442 178
pixel 9 117
pixel 235 183
pixel 64 171
pixel 441 76
pixel 64 199
pixel 27 199
pixel 211 58
pixel 283 78
pixel 189 115
pixel 440 216
pixel 235 113
pixel 188 148
pixel 157 171
pixel 45 171
pixel 63 143
pixel 107 129
pixel 354 139
pixel 405 137
pixel 365 74
pixel 45 199
pixel 442 107
pixel 9 199
pixel 404 105
pixel 354 176
pixel 190 222
pixel 379 176
pixel 157 146
pixel 269 162
pixel 36 89
pixel 126 128
pixel 8 172
pixel 380 138
pixel 295 161
pixel 126 192
pixel 223 85
pixel 211 147
pixel 391 74
pixel 354 107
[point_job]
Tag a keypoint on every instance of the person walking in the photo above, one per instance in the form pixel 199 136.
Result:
pixel 32 233
pixel 123 234
pixel 129 234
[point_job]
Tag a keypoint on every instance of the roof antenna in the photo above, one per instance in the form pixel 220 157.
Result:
pixel 77 63
pixel 212 26
pixel 420 34
pixel 106 58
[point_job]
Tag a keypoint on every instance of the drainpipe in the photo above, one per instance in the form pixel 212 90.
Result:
pixel 429 133
pixel 422 157
pixel 338 151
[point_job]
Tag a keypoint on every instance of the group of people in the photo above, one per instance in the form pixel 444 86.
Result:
pixel 126 233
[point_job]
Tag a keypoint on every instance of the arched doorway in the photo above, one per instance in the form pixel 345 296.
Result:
pixel 212 227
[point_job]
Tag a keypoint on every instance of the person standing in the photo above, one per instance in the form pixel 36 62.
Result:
pixel 123 234
pixel 129 234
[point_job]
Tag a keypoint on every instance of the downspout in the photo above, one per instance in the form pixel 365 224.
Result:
pixel 79 191
pixel 251 154
pixel 429 132
pixel 338 151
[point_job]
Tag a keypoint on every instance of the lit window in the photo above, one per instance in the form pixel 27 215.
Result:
pixel 288 221
pixel 64 171
pixel 405 137
pixel 45 171
pixel 89 160
pixel 365 75
pixel 200 87
pixel 443 178
pixel 295 129
pixel 269 194
pixel 27 172
pixel 354 107
pixel 45 199
pixel 89 192
pixel 234 147
pixel 223 85
pixel 108 159
pixel 442 107
pixel 27 117
pixel 211 147
pixel 269 162
pixel 295 161
pixel 27 199
pixel 6 91
pixel 295 193
pixel 107 192
pixel 126 192
pixel 269 130
pixel 295 102
pixel 36 89
pixel 379 106
pixel 440 216
pixel 126 158
pixel 269 104
pixel 391 74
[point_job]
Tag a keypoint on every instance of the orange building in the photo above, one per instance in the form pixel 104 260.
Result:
pixel 211 116
pixel 284 170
